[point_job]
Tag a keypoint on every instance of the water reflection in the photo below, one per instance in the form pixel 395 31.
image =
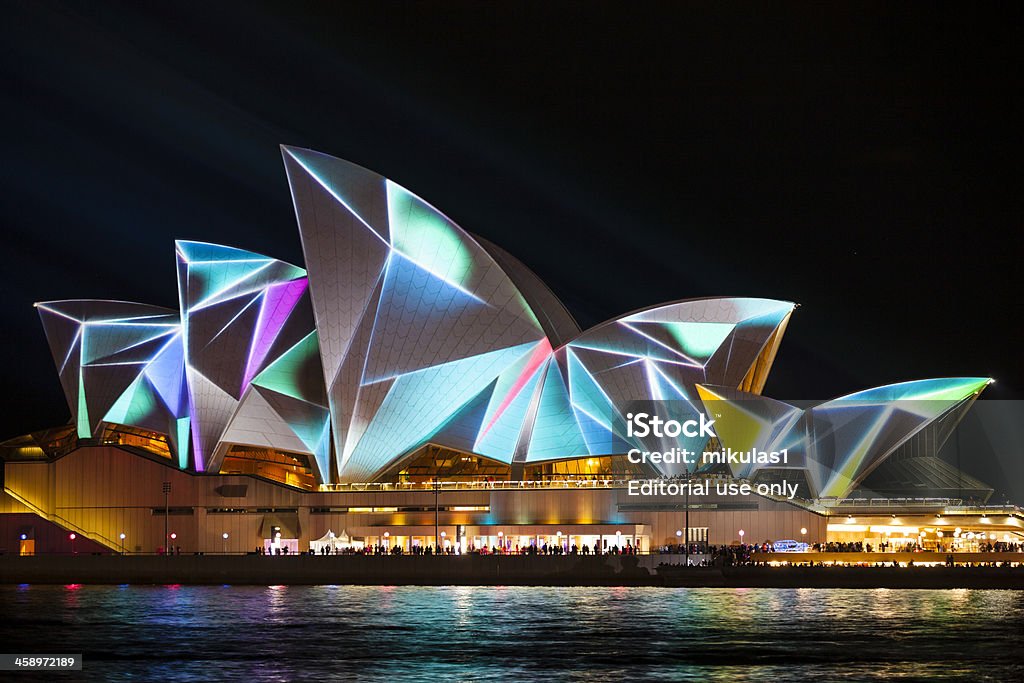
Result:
pixel 271 633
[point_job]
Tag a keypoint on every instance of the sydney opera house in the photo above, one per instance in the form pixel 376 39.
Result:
pixel 414 384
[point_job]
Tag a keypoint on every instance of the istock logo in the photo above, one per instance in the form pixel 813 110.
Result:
pixel 644 424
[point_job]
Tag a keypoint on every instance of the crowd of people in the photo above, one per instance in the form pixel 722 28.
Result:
pixel 449 549
pixel 704 554
pixel 757 555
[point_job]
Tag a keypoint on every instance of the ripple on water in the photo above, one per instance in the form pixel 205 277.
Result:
pixel 284 633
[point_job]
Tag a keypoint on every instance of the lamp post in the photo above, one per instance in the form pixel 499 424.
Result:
pixel 686 538
pixel 225 537
pixel 122 542
pixel 167 511
pixel 72 536
pixel 437 492
pixel 387 543
pixel 741 536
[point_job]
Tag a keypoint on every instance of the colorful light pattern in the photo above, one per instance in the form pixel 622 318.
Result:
pixel 406 330
pixel 840 441
pixel 118 362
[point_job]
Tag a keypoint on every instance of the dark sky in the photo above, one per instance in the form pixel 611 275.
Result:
pixel 863 161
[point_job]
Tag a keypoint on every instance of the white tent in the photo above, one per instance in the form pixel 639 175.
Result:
pixel 333 542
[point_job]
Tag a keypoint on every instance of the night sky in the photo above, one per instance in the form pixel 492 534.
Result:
pixel 863 162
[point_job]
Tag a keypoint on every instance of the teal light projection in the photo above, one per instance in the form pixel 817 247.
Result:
pixel 404 330
pixel 119 362
pixel 841 441
pixel 240 312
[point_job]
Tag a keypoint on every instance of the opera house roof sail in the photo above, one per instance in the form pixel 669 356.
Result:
pixel 401 330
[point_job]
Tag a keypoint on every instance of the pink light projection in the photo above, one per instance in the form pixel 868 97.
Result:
pixel 278 302
pixel 540 354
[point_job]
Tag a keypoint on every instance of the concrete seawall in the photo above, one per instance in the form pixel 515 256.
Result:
pixel 479 570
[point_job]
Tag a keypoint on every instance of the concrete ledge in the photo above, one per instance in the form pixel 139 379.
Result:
pixel 473 570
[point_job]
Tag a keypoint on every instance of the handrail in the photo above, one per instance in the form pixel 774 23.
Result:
pixel 60 521
pixel 884 502
pixel 948 505
pixel 605 483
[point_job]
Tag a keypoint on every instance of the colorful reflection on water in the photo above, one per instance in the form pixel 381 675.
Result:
pixel 285 633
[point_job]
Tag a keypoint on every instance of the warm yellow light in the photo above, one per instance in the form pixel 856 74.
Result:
pixel 803 530
pixel 848 527
pixel 894 529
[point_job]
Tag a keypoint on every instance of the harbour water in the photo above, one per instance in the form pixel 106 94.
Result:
pixel 287 633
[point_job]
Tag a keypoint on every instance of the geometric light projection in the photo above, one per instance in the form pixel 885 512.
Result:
pixel 239 312
pixel 284 407
pixel 744 422
pixel 119 362
pixel 841 441
pixel 404 330
pixel 415 318
pixel 429 336
pixel 658 354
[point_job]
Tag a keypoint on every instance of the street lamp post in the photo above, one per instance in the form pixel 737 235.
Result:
pixel 437 539
pixel 122 542
pixel 167 511
pixel 686 538
pixel 225 537
pixel 72 536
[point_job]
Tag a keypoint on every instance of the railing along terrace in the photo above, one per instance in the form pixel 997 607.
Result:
pixel 889 502
pixel 582 482
pixel 948 505
pixel 477 485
